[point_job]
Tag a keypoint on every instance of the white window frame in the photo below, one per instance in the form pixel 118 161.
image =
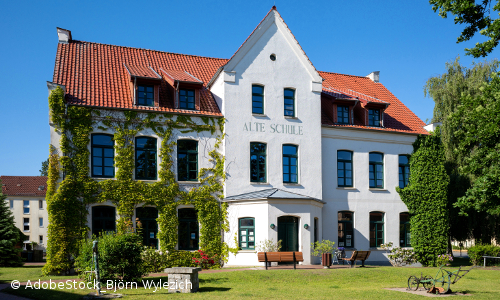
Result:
pixel 26 207
pixel 40 221
pixel 26 224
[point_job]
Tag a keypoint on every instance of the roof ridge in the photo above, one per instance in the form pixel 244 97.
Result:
pixel 346 75
pixel 152 50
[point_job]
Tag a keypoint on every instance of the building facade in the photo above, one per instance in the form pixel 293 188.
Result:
pixel 26 199
pixel 308 155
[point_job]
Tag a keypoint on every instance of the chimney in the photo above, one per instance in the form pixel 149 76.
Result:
pixel 374 76
pixel 64 35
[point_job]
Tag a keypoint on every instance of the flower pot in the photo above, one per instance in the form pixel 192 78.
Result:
pixel 326 260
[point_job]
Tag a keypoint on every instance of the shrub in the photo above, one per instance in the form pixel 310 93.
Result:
pixel 401 257
pixel 325 246
pixel 154 261
pixel 444 259
pixel 10 235
pixel 477 252
pixel 204 261
pixel 178 258
pixel 119 257
pixel 269 246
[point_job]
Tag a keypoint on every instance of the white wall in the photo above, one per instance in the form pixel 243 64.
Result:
pixel 34 214
pixel 361 199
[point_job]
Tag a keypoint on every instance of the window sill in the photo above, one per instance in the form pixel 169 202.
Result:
pixel 375 190
pixel 346 188
pixel 188 182
pixel 289 117
pixel 259 183
pixel 247 251
pixel 259 115
pixel 102 178
pixel 292 184
pixel 147 180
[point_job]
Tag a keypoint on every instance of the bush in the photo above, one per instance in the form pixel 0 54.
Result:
pixel 205 261
pixel 269 246
pixel 444 259
pixel 153 260
pixel 119 257
pixel 477 252
pixel 325 246
pixel 401 257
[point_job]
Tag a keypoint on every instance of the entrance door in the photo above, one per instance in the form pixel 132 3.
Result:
pixel 288 233
pixel 147 216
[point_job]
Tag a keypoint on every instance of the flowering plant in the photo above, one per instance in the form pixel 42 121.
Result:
pixel 205 261
pixel 341 248
pixel 444 259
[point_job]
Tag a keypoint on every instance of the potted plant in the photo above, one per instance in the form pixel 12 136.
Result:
pixel 325 248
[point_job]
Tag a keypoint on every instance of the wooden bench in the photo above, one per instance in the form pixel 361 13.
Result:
pixel 280 257
pixel 358 255
pixel 485 257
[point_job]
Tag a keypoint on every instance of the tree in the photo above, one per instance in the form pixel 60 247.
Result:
pixel 44 171
pixel 10 235
pixel 426 199
pixel 475 134
pixel 447 91
pixel 476 17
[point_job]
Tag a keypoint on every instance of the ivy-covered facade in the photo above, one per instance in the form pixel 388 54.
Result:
pixel 221 154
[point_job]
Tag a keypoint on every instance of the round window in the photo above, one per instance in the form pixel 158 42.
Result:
pixel 273 57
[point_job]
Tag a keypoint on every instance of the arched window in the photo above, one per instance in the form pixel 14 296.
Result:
pixel 257 162
pixel 376 170
pixel 145 158
pixel 257 99
pixel 188 229
pixel 345 229
pixel 103 219
pixel 344 168
pixel 103 154
pixel 290 164
pixel 404 170
pixel 376 229
pixel 404 230
pixel 187 160
pixel 247 233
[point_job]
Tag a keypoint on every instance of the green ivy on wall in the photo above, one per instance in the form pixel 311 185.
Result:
pixel 68 203
pixel 426 199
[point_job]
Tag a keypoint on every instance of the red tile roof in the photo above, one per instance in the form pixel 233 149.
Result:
pixel 179 75
pixel 397 117
pixel 141 71
pixel 95 75
pixel 24 185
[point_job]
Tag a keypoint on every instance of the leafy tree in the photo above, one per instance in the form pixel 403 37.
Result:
pixel 10 235
pixel 426 199
pixel 476 141
pixel 476 17
pixel 447 91
pixel 44 171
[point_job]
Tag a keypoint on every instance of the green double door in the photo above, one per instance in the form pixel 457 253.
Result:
pixel 288 233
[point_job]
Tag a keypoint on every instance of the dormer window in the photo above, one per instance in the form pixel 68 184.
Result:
pixel 184 88
pixel 145 85
pixel 374 117
pixel 145 95
pixel 343 114
pixel 186 99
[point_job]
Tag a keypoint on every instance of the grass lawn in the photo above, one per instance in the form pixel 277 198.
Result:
pixel 355 283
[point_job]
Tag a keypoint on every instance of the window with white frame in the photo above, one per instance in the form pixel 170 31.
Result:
pixel 26 206
pixel 40 240
pixel 26 224
pixel 40 220
pixel 11 204
pixel 40 204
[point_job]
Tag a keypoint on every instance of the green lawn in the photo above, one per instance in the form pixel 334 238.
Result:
pixel 356 283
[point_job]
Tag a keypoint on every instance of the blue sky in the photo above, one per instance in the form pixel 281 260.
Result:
pixel 404 40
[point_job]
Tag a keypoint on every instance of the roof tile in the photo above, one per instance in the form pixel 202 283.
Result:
pixel 24 185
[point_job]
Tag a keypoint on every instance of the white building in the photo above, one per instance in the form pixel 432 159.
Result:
pixel 308 155
pixel 26 199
